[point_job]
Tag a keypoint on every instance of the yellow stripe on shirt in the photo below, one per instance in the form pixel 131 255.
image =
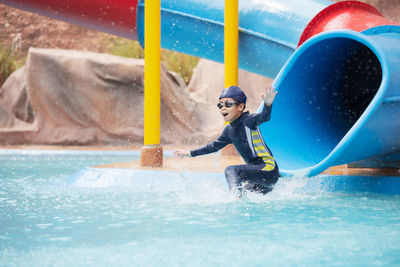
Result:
pixel 262 151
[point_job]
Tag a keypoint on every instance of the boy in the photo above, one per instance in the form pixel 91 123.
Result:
pixel 261 171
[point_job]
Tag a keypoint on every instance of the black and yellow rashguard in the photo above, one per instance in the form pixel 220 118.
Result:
pixel 261 171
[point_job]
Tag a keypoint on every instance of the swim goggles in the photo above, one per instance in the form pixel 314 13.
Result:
pixel 227 104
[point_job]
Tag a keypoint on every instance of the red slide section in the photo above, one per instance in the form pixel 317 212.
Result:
pixel 112 16
pixel 350 15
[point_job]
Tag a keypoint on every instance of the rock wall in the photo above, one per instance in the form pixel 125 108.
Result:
pixel 78 98
pixel 64 97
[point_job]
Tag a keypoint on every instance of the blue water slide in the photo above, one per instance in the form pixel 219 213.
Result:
pixel 339 92
pixel 269 31
pixel 339 101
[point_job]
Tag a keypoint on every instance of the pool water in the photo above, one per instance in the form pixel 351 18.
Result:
pixel 50 216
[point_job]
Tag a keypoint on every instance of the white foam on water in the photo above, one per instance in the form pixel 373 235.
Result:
pixel 208 191
pixel 189 188
pixel 142 181
pixel 287 188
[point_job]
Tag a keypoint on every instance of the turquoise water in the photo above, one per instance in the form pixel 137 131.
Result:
pixel 50 216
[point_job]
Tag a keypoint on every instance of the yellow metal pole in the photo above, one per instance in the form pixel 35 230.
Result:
pixel 231 53
pixel 231 42
pixel 151 154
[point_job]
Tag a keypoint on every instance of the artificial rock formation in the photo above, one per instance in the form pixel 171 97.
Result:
pixel 64 97
pixel 69 97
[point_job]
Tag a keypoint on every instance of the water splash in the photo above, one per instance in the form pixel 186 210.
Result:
pixel 181 187
pixel 185 187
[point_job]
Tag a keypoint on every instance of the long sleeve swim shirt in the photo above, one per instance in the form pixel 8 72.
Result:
pixel 245 135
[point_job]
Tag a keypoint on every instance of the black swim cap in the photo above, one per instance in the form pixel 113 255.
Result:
pixel 235 93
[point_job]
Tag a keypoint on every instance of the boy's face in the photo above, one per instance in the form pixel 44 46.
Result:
pixel 230 109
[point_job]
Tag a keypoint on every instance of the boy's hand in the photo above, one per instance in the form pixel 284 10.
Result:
pixel 181 153
pixel 269 96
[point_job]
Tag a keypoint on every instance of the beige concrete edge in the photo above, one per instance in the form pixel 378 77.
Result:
pixel 207 164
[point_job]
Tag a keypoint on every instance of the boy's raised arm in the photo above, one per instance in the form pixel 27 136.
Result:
pixel 265 114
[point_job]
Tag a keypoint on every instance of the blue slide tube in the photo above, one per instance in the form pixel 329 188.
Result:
pixel 338 92
pixel 269 31
pixel 339 101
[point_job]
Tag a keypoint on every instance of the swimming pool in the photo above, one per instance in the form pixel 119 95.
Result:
pixel 49 215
